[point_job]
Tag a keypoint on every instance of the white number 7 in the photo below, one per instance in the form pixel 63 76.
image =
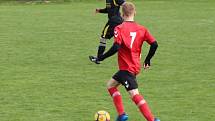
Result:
pixel 133 36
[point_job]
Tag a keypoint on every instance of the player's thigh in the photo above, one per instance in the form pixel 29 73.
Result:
pixel 112 83
pixel 127 79
pixel 111 29
pixel 106 32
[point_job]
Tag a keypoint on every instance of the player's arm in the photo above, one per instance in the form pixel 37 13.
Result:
pixel 104 10
pixel 152 50
pixel 115 47
pixel 153 47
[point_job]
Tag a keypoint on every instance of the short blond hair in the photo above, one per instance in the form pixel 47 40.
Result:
pixel 128 9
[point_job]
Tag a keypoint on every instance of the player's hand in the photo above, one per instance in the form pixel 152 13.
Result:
pixel 146 64
pixel 97 10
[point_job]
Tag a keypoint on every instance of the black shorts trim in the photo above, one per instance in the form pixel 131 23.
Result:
pixel 127 79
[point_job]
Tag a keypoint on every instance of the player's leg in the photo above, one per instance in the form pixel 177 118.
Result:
pixel 102 46
pixel 130 83
pixel 112 84
pixel 107 33
pixel 115 94
pixel 103 39
pixel 102 43
pixel 142 104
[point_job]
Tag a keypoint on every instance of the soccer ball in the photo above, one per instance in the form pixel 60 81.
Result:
pixel 102 116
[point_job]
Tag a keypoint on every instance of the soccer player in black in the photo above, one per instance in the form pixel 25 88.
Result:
pixel 113 10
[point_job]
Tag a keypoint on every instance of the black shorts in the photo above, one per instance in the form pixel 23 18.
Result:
pixel 127 79
pixel 108 30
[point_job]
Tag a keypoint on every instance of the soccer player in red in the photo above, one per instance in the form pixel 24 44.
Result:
pixel 128 40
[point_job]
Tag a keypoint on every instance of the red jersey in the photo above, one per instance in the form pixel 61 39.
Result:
pixel 130 36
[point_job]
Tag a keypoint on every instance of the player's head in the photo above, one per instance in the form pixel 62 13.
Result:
pixel 128 10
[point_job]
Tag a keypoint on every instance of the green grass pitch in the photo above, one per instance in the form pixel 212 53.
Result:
pixel 45 74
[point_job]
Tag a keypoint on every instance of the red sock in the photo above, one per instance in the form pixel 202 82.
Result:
pixel 144 108
pixel 117 99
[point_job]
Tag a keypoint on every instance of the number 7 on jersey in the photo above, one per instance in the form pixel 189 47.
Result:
pixel 133 36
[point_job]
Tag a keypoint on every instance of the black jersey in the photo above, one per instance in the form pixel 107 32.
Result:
pixel 112 8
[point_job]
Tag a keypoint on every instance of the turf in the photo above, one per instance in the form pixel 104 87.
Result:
pixel 45 74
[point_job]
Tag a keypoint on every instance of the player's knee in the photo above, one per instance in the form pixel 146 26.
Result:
pixel 112 83
pixel 109 84
pixel 133 92
pixel 103 41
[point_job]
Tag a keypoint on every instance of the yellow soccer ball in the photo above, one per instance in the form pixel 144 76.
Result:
pixel 102 116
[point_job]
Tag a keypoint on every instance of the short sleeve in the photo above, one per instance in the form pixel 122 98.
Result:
pixel 117 36
pixel 120 2
pixel 148 37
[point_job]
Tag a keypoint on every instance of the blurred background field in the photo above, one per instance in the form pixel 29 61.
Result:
pixel 45 74
pixel 44 1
